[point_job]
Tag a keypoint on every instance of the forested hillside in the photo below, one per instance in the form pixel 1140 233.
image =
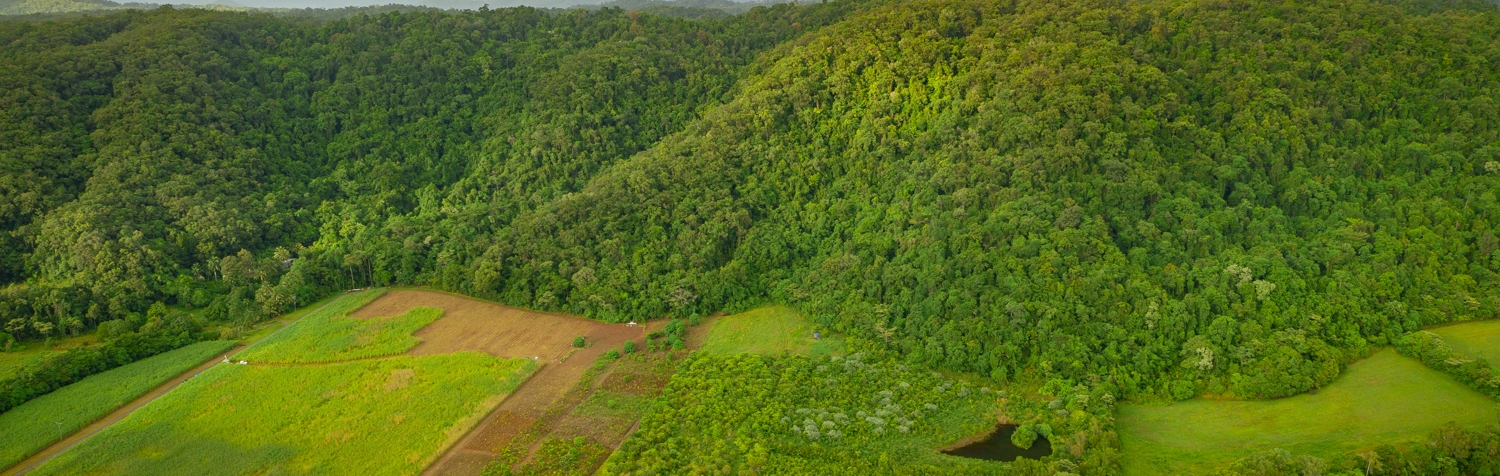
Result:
pixel 1156 198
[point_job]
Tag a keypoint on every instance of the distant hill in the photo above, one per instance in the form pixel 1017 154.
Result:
pixel 28 7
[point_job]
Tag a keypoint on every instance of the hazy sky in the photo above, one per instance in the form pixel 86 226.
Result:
pixel 361 3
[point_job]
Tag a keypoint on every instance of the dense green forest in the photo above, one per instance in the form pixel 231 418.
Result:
pixel 1153 199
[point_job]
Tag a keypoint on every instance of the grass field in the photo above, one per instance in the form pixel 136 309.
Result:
pixel 26 354
pixel 1385 398
pixel 329 335
pixel 37 423
pixel 769 331
pixel 372 417
pixel 1475 339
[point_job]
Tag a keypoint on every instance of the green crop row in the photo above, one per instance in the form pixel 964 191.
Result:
pixel 40 422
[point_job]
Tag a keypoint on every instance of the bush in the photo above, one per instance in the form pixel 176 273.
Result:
pixel 579 342
pixel 629 347
pixel 1024 437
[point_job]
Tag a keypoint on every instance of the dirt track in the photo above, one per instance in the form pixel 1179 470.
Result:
pixel 472 325
pixel 120 413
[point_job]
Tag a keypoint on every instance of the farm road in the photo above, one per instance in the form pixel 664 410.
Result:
pixel 120 413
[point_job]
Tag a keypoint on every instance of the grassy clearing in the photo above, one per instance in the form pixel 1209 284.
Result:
pixel 35 424
pixel 328 335
pixel 11 363
pixel 373 417
pixel 1385 398
pixel 26 354
pixel 769 331
pixel 1475 339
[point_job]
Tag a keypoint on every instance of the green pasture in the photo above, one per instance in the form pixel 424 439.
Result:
pixel 1385 398
pixel 1475 339
pixel 32 426
pixel 373 417
pixel 328 335
pixel 769 331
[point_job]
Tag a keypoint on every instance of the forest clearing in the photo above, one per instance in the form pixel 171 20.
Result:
pixel 1383 399
pixel 770 330
pixel 1474 339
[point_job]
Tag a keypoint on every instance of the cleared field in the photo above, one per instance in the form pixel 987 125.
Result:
pixel 329 335
pixel 372 417
pixel 473 325
pixel 769 331
pixel 501 331
pixel 1476 339
pixel 35 424
pixel 1385 398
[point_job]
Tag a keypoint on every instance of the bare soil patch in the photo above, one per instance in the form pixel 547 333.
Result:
pixel 473 325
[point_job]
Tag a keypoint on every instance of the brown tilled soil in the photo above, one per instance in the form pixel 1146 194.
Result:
pixel 473 325
pixel 469 324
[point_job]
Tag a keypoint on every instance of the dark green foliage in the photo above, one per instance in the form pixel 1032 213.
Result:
pixel 74 365
pixel 1163 199
pixel 629 347
pixel 579 341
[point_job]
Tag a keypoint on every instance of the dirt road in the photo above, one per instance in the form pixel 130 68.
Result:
pixel 120 413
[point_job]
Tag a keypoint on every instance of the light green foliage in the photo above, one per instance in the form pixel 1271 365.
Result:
pixel 13 362
pixel 328 335
pixel 796 415
pixel 605 403
pixel 1479 339
pixel 375 417
pixel 769 331
pixel 25 354
pixel 1024 437
pixel 1385 398
pixel 34 425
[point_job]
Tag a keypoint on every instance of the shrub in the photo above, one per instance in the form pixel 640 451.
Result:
pixel 1023 438
pixel 579 341
pixel 629 347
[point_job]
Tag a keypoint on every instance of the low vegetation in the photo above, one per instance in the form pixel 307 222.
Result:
pixel 1475 339
pixel 39 422
pixel 327 334
pixel 1437 353
pixel 1385 398
pixel 765 415
pixel 769 331
pixel 60 370
pixel 375 417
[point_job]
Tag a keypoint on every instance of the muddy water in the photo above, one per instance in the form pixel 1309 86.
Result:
pixel 998 447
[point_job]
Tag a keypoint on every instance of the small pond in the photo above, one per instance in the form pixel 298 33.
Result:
pixel 998 447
